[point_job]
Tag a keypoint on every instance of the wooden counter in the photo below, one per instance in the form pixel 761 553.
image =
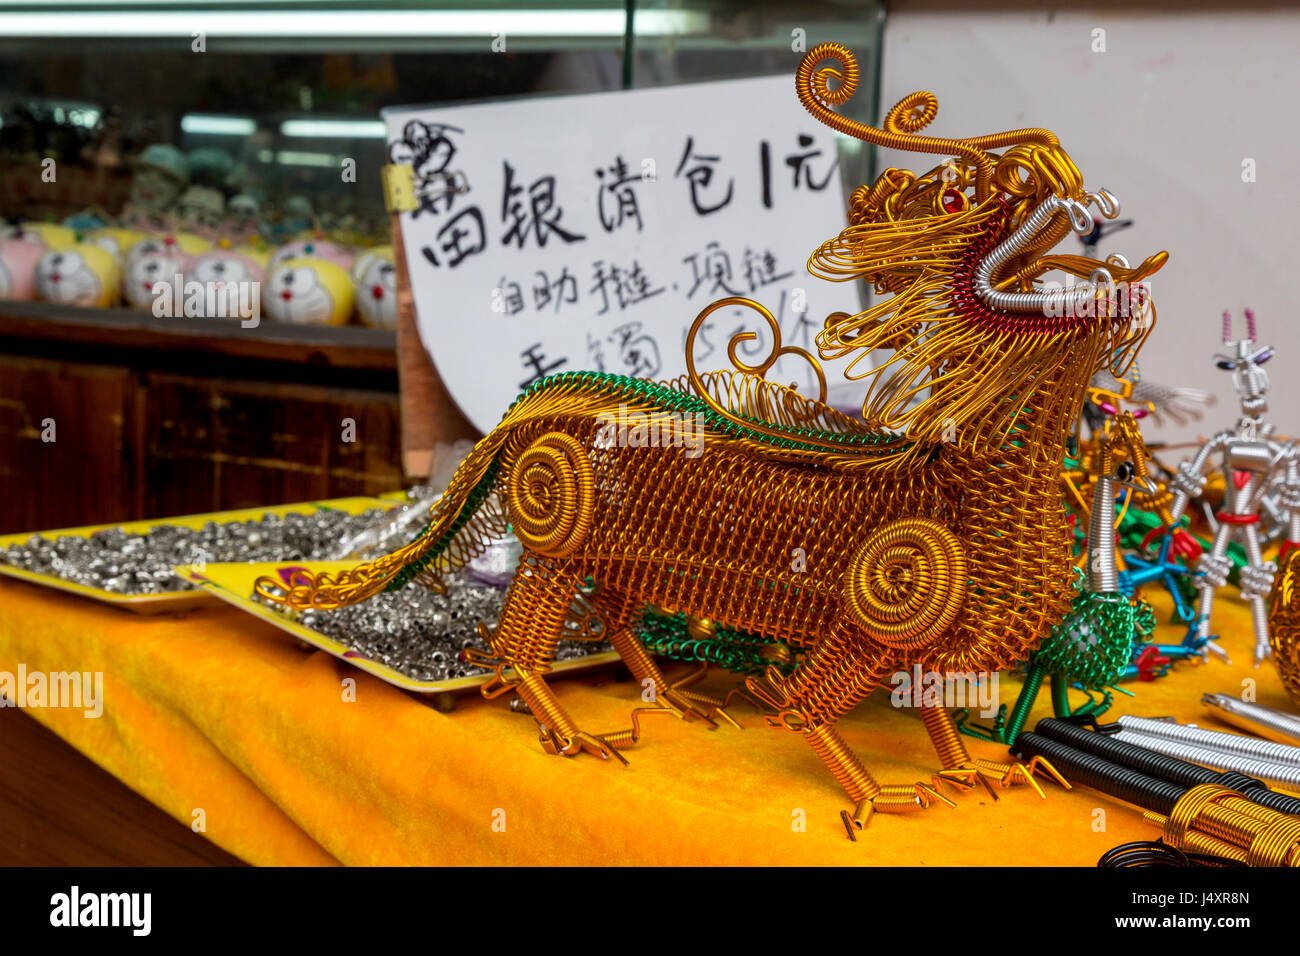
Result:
pixel 114 415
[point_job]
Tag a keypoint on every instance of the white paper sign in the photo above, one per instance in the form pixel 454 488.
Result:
pixel 593 229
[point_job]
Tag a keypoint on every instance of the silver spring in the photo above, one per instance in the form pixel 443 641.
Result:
pixel 1063 300
pixel 1275 773
pixel 1103 572
pixel 1243 714
pixel 1214 740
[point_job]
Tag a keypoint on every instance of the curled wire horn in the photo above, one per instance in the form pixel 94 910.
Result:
pixel 1250 324
pixel 813 85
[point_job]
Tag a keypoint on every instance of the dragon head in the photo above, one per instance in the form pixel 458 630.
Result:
pixel 962 255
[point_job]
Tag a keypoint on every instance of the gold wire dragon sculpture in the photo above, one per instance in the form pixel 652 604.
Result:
pixel 933 530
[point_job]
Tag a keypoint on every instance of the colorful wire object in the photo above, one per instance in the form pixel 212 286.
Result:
pixel 930 533
pixel 1284 624
pixel 1203 818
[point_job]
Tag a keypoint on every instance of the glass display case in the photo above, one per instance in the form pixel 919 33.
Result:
pixel 138 139
pixel 254 120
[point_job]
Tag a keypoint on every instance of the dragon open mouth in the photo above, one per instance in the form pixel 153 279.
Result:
pixel 995 289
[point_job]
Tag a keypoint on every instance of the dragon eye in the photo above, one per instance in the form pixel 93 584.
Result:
pixel 1124 471
pixel 1262 356
pixel 1226 364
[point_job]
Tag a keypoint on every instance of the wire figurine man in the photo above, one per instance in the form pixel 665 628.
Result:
pixel 1253 464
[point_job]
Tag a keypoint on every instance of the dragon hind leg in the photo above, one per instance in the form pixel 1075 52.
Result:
pixel 523 649
pixel 833 679
pixel 673 698
pixel 959 767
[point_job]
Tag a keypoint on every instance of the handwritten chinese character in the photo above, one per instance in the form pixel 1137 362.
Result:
pixel 801 165
pixel 628 286
pixel 541 217
pixel 466 224
pixel 638 353
pixel 615 190
pixel 700 176
pixel 715 267
pixel 512 300
pixel 760 269
pixel 564 288
pixel 531 359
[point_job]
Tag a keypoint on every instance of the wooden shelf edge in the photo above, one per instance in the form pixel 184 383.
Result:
pixel 343 346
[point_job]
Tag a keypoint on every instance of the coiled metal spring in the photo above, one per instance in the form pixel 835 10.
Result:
pixel 1213 739
pixel 1281 774
pixel 1165 766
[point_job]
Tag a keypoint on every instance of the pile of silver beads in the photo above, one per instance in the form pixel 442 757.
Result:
pixel 123 562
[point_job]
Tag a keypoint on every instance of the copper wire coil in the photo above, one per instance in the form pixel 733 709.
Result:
pixel 897 798
pixel 550 495
pixel 848 770
pixel 907 582
pixel 546 709
pixel 947 738
pixel 1284 624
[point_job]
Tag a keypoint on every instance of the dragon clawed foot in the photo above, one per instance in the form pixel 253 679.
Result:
pixel 553 742
pixel 1009 775
pixel 689 705
pixel 768 694
pixel 893 798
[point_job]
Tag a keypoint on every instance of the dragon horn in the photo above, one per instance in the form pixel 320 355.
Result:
pixel 913 112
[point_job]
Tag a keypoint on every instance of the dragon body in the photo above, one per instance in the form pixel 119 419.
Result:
pixel 931 532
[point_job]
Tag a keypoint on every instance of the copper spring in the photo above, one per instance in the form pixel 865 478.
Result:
pixel 548 711
pixel 637 658
pixel 626 738
pixel 1228 826
pixel 1200 842
pixel 947 738
pixel 848 770
pixel 897 798
pixel 827 684
pixel 532 623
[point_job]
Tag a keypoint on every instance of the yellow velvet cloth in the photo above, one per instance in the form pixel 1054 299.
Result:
pixel 217 711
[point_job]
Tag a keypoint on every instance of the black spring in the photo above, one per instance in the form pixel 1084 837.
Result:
pixel 1127 754
pixel 1125 783
pixel 1163 766
pixel 1158 853
pixel 1257 792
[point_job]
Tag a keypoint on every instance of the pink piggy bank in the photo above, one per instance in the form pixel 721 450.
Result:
pixel 18 258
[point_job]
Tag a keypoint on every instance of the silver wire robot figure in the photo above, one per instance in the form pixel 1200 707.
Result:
pixel 1253 466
